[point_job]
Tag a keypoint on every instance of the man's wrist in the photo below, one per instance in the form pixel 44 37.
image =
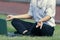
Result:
pixel 15 17
pixel 40 21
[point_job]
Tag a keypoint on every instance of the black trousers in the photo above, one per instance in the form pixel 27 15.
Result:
pixel 21 26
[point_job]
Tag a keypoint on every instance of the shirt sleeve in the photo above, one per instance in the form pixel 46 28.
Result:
pixel 30 10
pixel 50 9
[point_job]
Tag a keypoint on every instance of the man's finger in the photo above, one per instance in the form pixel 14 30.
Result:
pixel 36 26
pixel 41 25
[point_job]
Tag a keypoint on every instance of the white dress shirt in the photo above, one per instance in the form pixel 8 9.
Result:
pixel 41 8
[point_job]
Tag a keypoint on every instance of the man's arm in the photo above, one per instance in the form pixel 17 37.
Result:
pixel 10 17
pixel 46 18
pixel 39 24
pixel 22 16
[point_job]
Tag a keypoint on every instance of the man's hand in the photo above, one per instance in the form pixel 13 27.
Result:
pixel 10 17
pixel 39 24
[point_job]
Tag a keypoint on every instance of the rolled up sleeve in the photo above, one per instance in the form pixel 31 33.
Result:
pixel 50 10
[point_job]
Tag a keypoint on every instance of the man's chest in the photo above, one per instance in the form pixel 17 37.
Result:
pixel 39 3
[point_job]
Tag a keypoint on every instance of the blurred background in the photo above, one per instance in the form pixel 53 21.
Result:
pixel 21 7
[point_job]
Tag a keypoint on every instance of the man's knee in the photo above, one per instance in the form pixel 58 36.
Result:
pixel 14 21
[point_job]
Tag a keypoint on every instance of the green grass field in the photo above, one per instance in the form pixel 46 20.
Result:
pixel 56 35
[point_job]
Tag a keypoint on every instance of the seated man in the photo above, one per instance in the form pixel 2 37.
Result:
pixel 43 12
